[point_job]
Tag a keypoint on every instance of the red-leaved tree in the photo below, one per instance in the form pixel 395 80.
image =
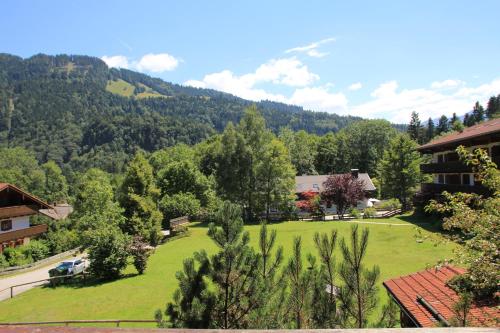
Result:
pixel 344 191
pixel 310 202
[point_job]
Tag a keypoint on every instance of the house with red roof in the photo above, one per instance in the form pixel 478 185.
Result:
pixel 16 208
pixel 448 172
pixel 426 300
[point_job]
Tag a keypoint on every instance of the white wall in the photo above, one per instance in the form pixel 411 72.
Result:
pixel 22 222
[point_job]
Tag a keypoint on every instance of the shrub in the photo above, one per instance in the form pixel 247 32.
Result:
pixel 108 252
pixel 390 204
pixel 369 213
pixel 61 240
pixel 354 212
pixel 179 204
pixel 16 257
pixel 141 251
pixel 35 249
pixel 3 262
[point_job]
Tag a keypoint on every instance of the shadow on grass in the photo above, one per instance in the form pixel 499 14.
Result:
pixel 427 222
pixel 79 282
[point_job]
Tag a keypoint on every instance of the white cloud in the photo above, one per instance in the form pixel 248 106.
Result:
pixel 157 63
pixel 355 86
pixel 312 49
pixel 396 105
pixel 118 61
pixel 319 99
pixel 446 84
pixel 286 71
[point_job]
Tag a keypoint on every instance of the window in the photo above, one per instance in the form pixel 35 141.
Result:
pixel 441 179
pixel 316 187
pixel 466 179
pixel 6 225
pixel 440 158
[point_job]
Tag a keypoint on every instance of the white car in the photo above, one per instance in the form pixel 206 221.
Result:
pixel 71 267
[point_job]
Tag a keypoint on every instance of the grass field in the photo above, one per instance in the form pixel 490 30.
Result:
pixel 393 248
pixel 120 87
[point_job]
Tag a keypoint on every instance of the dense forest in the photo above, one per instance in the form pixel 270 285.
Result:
pixel 76 111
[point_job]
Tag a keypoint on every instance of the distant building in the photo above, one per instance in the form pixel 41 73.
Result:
pixel 448 172
pixel 16 208
pixel 425 300
pixel 315 184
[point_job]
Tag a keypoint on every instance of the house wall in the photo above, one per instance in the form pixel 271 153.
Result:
pixel 362 204
pixel 18 223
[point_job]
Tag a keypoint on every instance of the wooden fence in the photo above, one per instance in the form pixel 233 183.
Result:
pixel 117 322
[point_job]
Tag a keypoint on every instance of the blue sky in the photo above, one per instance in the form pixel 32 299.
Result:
pixel 376 59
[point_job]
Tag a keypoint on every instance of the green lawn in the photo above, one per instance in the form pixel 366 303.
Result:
pixel 393 248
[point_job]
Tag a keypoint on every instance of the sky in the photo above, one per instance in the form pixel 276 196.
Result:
pixel 374 59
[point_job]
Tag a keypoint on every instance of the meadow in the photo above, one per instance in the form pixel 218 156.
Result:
pixel 396 249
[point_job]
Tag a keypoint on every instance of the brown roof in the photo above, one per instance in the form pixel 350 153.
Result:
pixel 431 286
pixel 4 186
pixel 315 183
pixel 44 208
pixel 476 131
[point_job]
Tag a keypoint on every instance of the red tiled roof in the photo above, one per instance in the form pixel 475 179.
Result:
pixel 484 128
pixel 431 286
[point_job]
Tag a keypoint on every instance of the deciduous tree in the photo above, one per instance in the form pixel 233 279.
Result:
pixel 344 191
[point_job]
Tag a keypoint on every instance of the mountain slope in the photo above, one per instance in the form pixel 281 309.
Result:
pixel 75 110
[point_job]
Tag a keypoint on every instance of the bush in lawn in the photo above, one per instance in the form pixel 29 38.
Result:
pixel 354 212
pixel 16 257
pixel 3 262
pixel 141 251
pixel 37 250
pixel 390 204
pixel 369 213
pixel 108 252
pixel 177 205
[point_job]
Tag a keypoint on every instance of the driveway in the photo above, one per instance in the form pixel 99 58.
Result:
pixel 34 275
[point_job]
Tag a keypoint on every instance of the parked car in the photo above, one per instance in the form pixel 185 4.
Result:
pixel 70 267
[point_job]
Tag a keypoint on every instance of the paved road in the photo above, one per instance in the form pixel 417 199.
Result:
pixel 34 275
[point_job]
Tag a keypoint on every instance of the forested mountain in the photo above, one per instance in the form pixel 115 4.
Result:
pixel 77 111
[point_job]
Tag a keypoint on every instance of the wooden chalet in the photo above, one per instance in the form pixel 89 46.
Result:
pixel 16 208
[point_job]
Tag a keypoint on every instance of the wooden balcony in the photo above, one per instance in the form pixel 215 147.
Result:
pixel 431 188
pixel 22 233
pixel 16 211
pixel 445 167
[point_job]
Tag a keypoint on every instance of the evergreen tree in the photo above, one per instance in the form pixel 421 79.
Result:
pixel 270 313
pixel 454 118
pixel 430 129
pixel 443 125
pixel 415 128
pixel 300 282
pixel 478 113
pixel 399 170
pixel 325 308
pixel 493 108
pixel 468 120
pixel 192 304
pixel 139 196
pixel 358 293
pixel 235 274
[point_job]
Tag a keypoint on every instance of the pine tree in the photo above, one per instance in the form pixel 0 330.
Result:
pixel 454 118
pixel 359 291
pixel 430 129
pixel 399 170
pixel 468 120
pixel 415 128
pixel 324 312
pixel 234 274
pixel 443 125
pixel 478 113
pixel 493 108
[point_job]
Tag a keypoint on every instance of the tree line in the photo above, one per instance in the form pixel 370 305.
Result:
pixel 423 133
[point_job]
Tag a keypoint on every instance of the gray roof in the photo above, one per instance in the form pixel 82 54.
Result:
pixel 315 183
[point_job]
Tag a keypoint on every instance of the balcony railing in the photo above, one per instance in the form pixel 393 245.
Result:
pixel 21 233
pixel 446 167
pixel 439 188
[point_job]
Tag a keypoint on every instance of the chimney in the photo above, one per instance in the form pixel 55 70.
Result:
pixel 355 173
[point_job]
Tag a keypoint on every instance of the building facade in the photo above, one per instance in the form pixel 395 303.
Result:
pixel 314 184
pixel 16 208
pixel 447 171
